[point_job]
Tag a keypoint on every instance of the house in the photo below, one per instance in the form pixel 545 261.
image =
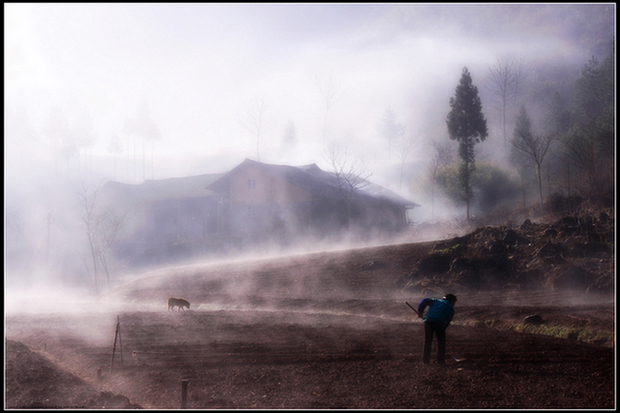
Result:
pixel 167 219
pixel 251 205
pixel 281 203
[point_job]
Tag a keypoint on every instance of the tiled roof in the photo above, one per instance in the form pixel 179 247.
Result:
pixel 314 180
pixel 160 189
pixel 308 177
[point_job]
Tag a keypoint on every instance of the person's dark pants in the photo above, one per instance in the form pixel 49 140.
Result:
pixel 431 328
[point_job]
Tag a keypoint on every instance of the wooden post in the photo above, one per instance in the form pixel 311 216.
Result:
pixel 184 383
pixel 120 341
pixel 114 346
pixel 99 373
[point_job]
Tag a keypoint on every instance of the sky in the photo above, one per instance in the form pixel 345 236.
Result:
pixel 151 91
pixel 128 92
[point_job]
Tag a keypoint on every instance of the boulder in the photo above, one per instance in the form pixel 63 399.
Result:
pixel 535 319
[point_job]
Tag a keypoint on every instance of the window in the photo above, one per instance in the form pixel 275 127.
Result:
pixel 251 183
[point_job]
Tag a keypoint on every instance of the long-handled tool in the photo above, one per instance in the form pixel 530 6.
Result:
pixel 414 310
pixel 420 315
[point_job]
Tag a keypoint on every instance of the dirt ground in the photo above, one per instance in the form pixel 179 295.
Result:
pixel 278 344
pixel 358 354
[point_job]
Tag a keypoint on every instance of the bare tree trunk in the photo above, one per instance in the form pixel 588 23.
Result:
pixel 93 254
pixel 467 192
pixel 540 191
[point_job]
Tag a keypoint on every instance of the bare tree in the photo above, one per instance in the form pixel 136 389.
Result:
pixel 404 146
pixel 557 122
pixel 443 155
pixel 102 226
pixel 351 173
pixel 532 146
pixel 289 137
pixel 143 126
pixel 591 141
pixel 504 81
pixel 115 148
pixel 255 121
pixel 389 128
pixel 331 92
pixel 84 132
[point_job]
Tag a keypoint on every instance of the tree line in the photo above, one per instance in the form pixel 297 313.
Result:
pixel 564 149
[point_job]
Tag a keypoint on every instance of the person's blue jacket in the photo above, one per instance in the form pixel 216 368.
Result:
pixel 440 311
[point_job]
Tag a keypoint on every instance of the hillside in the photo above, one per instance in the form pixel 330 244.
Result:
pixel 330 329
pixel 573 252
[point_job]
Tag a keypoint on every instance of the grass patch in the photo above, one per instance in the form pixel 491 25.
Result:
pixel 446 251
pixel 570 333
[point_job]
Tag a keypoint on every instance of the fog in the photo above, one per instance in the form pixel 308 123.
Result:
pixel 153 91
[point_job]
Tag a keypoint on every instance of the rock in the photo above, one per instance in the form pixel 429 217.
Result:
pixel 535 319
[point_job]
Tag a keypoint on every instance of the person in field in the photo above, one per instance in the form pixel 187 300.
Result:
pixel 436 321
pixel 178 302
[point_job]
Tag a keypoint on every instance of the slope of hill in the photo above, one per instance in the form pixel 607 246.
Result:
pixel 330 329
pixel 574 252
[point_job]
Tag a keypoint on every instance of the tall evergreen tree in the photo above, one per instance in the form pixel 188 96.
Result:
pixel 467 125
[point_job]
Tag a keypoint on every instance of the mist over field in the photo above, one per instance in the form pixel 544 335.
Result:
pixel 128 93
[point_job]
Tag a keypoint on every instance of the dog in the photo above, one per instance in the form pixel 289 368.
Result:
pixel 180 303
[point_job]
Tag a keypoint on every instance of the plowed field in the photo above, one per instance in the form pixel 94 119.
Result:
pixel 321 353
pixel 323 330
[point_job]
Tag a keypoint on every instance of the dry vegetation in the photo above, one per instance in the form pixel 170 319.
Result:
pixel 328 330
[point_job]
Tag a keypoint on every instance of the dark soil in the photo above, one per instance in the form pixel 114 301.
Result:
pixel 331 330
pixel 349 356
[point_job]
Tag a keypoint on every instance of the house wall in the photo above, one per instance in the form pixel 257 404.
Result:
pixel 173 229
pixel 252 185
pixel 265 207
pixel 254 206
pixel 268 208
pixel 183 220
pixel 384 217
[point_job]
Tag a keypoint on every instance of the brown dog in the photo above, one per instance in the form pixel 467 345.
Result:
pixel 178 302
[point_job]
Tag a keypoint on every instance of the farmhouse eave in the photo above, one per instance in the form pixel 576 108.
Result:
pixel 163 189
pixel 314 180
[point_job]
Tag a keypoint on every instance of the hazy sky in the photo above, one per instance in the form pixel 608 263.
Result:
pixel 189 72
pixel 87 84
